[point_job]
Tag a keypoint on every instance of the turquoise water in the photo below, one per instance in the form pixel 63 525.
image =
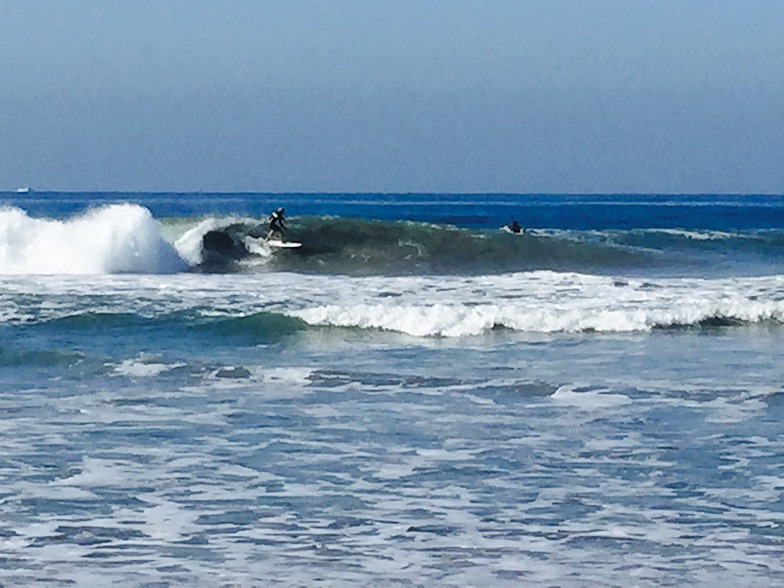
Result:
pixel 411 399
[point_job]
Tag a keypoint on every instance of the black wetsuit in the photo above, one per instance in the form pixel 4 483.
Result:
pixel 276 225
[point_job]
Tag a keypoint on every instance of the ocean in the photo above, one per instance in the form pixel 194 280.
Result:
pixel 416 396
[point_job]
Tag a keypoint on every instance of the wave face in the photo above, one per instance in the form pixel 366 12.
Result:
pixel 373 247
pixel 123 237
pixel 119 238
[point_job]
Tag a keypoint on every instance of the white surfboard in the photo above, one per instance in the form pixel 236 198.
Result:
pixel 264 247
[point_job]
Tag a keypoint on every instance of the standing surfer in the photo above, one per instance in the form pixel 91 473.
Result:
pixel 277 224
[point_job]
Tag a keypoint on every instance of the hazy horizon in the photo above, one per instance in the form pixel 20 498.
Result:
pixel 31 190
pixel 445 96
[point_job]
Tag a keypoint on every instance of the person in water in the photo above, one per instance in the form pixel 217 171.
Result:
pixel 515 227
pixel 277 224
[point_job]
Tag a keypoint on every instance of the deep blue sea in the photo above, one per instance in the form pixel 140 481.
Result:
pixel 415 396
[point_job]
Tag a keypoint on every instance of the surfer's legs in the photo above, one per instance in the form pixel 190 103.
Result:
pixel 275 232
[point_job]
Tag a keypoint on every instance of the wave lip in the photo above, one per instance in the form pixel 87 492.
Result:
pixel 119 238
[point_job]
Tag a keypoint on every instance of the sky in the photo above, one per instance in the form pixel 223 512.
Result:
pixel 450 96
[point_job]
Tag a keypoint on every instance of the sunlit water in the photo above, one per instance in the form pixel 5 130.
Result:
pixel 278 428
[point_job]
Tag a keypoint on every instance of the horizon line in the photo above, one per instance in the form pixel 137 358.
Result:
pixel 387 193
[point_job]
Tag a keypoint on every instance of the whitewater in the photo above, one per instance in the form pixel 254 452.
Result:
pixel 415 396
pixel 114 239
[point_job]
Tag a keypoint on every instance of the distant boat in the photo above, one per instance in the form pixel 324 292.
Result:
pixel 23 190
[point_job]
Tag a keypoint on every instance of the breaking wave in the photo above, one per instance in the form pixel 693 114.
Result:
pixel 254 309
pixel 438 320
pixel 441 320
pixel 373 247
pixel 120 238
pixel 126 238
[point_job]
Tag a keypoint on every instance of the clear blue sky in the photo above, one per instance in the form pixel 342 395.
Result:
pixel 393 96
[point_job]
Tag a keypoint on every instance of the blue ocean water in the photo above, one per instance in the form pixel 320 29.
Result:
pixel 415 396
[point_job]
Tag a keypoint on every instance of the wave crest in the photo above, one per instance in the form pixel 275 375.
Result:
pixel 371 247
pixel 119 238
pixel 441 320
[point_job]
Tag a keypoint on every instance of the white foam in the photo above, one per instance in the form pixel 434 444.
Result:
pixel 697 235
pixel 287 375
pixel 448 306
pixel 258 246
pixel 541 302
pixel 437 319
pixel 168 521
pixel 143 368
pixel 589 399
pixel 119 238
pixel 95 472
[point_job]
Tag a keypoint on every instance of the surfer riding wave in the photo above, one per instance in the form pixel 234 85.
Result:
pixel 277 225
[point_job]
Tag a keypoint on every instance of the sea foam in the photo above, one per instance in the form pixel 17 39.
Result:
pixel 542 302
pixel 119 238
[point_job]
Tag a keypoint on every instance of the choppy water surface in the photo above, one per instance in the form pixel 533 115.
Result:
pixel 305 423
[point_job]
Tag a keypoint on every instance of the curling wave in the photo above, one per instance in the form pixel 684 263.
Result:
pixel 371 247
